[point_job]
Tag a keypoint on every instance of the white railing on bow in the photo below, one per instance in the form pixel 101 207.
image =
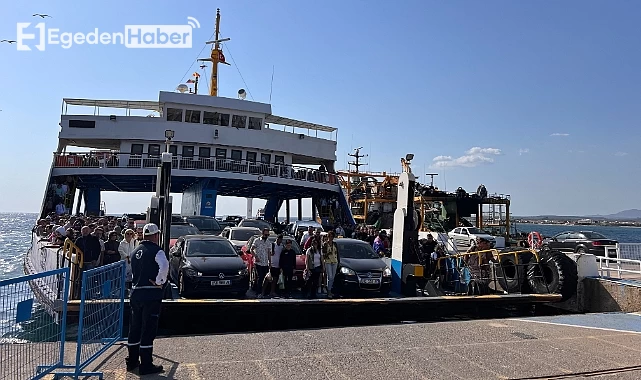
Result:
pixel 109 160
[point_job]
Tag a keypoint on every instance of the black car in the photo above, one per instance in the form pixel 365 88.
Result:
pixel 208 225
pixel 208 265
pixel 579 242
pixel 361 269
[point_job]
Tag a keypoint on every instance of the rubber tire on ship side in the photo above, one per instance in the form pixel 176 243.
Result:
pixel 512 271
pixel 554 273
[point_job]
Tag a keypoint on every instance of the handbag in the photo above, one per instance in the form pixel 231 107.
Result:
pixel 281 282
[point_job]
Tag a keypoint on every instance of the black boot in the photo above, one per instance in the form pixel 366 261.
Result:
pixel 133 360
pixel 147 367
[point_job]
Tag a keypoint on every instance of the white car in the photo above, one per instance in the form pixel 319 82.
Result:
pixel 467 236
pixel 238 236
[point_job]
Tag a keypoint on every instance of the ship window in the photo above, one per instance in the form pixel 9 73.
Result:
pixel 251 156
pixel 238 121
pixel 174 114
pixel 204 152
pixel 221 153
pixel 188 151
pixel 173 149
pixel 279 160
pixel 265 158
pixel 192 116
pixel 136 148
pixel 236 155
pixel 255 123
pixel 153 150
pixel 82 124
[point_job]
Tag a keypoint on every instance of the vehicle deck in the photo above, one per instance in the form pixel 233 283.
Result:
pixel 561 347
pixel 231 315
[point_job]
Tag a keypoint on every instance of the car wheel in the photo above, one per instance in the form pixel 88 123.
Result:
pixel 581 250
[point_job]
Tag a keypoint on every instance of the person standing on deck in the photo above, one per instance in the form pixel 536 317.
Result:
pixel 262 251
pixel 150 267
pixel 125 248
pixel 90 247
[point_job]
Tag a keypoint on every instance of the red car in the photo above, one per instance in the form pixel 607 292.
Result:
pixel 248 258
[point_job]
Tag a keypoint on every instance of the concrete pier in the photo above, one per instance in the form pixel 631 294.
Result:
pixel 564 347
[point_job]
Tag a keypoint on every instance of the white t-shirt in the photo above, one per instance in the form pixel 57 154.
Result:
pixel 276 256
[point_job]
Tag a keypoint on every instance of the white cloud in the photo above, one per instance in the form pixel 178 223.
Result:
pixel 621 154
pixel 473 157
pixel 523 151
pixel 560 134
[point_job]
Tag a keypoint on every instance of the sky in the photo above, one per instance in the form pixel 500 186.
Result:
pixel 536 99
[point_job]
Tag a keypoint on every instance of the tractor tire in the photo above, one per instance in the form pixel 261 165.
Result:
pixel 554 273
pixel 512 271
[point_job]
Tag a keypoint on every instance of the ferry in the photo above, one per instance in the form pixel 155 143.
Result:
pixel 220 146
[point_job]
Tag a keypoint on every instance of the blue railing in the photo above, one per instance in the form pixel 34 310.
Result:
pixel 100 325
pixel 32 341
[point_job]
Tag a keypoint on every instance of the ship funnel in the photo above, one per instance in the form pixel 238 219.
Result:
pixel 242 94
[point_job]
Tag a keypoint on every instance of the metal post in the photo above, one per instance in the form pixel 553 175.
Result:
pixel 164 185
pixel 287 211
pixel 300 209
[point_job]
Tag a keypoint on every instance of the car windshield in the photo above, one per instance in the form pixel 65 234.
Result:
pixel 243 235
pixel 205 224
pixel 178 230
pixel 593 235
pixel 209 248
pixel 255 223
pixel 476 231
pixel 356 250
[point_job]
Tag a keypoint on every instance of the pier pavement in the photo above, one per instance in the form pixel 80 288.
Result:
pixel 597 346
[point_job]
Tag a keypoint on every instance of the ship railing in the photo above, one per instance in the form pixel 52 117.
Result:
pixel 73 258
pixel 183 162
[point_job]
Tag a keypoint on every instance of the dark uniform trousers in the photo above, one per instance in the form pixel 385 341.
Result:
pixel 145 304
pixel 143 326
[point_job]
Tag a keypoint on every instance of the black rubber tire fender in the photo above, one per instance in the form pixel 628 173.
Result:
pixel 554 273
pixel 512 271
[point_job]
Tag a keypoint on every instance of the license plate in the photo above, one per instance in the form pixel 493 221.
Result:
pixel 294 278
pixel 370 281
pixel 221 282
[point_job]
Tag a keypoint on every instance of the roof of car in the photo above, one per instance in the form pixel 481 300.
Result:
pixel 350 240
pixel 243 228
pixel 203 237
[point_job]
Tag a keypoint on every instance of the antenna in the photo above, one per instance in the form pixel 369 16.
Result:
pixel 357 156
pixel 432 178
pixel 216 57
pixel 271 86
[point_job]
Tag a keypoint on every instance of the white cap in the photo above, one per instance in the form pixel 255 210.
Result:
pixel 61 230
pixel 150 229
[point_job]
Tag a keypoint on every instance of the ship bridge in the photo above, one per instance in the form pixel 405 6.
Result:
pixel 220 146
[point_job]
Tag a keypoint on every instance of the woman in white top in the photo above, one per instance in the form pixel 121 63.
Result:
pixel 125 248
pixel 314 264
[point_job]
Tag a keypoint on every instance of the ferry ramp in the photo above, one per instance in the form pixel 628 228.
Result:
pixel 598 346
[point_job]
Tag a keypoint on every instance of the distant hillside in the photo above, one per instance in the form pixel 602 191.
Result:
pixel 626 214
pixel 632 214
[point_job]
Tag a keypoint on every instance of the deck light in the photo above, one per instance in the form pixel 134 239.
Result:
pixel 169 134
pixel 409 157
pixel 242 94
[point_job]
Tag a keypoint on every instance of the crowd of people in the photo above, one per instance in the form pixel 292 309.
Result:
pixel 103 240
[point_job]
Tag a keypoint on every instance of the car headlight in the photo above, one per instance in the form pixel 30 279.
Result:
pixel 191 272
pixel 243 272
pixel 347 271
pixel 387 272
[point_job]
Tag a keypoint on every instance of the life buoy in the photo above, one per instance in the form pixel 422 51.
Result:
pixel 534 239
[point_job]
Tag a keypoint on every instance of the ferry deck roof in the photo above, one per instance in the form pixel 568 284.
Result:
pixel 226 187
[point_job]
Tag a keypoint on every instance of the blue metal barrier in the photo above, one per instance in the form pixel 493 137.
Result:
pixel 33 314
pixel 101 315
